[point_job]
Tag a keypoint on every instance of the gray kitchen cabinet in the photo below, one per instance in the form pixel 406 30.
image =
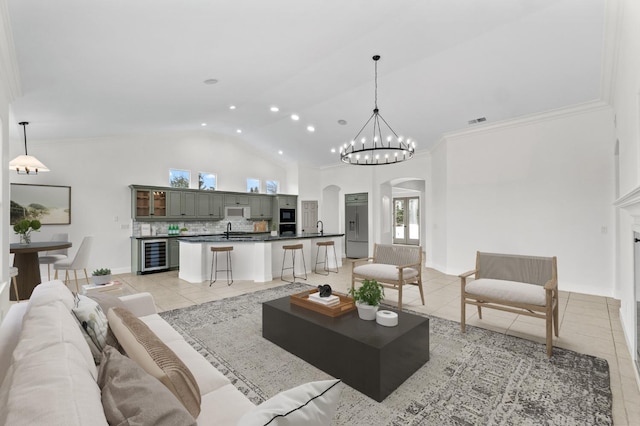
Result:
pixel 181 204
pixel 174 253
pixel 236 200
pixel 261 207
pixel 209 206
pixel 287 201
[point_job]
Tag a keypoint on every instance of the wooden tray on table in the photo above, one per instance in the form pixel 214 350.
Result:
pixel 346 304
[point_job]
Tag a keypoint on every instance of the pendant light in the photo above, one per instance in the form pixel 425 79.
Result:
pixel 380 149
pixel 26 164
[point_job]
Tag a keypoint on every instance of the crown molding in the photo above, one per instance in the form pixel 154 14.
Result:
pixel 526 120
pixel 8 60
pixel 611 48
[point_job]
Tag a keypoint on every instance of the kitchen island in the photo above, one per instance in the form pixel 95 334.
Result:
pixel 255 257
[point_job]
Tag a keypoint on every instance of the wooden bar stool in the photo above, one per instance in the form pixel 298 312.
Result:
pixel 292 249
pixel 13 273
pixel 325 268
pixel 214 264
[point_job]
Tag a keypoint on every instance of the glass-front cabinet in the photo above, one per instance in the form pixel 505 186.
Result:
pixel 149 203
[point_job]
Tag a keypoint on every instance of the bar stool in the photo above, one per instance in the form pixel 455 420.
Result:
pixel 13 273
pixel 292 249
pixel 325 268
pixel 214 264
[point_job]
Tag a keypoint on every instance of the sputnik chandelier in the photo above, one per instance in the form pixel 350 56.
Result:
pixel 379 150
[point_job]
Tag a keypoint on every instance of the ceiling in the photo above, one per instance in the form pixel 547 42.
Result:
pixel 126 67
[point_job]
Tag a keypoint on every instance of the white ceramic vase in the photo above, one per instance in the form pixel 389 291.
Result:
pixel 366 312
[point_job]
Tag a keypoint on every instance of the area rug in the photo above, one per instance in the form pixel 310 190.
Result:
pixel 477 378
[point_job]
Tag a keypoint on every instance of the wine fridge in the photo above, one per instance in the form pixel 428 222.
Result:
pixel 154 255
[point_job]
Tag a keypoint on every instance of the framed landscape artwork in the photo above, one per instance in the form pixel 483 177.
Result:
pixel 50 204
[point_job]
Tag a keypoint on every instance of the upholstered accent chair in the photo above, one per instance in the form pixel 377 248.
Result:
pixel 393 266
pixel 524 285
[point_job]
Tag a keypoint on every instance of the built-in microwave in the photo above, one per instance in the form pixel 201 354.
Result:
pixel 287 215
pixel 237 212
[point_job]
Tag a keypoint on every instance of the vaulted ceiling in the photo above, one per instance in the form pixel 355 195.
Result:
pixel 107 68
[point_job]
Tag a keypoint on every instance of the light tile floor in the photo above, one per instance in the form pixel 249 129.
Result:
pixel 588 324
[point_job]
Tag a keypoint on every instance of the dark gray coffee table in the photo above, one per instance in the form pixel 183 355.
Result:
pixel 368 357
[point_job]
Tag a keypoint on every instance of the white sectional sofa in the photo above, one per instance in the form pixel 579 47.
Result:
pixel 48 375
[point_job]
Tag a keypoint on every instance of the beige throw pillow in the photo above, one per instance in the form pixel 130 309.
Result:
pixel 130 396
pixel 149 352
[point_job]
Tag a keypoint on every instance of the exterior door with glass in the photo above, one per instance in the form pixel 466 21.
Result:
pixel 406 218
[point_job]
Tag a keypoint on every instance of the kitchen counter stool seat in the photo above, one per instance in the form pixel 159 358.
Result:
pixel 325 268
pixel 214 264
pixel 293 249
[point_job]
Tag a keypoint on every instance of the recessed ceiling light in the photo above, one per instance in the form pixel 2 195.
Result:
pixel 274 109
pixel 333 150
pixel 295 117
pixel 311 128
pixel 239 131
pixel 210 81
pixel 203 124
pixel 342 122
pixel 280 152
pixel 232 107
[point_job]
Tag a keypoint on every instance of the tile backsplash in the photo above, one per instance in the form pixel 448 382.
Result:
pixel 197 228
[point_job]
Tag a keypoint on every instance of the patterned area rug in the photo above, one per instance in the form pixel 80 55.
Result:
pixel 477 378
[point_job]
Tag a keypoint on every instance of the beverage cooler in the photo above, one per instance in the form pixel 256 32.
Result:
pixel 154 255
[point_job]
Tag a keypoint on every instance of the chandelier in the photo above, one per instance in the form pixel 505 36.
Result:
pixel 379 149
pixel 26 164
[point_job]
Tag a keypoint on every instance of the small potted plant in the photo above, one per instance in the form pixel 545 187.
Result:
pixel 101 276
pixel 183 231
pixel 24 228
pixel 368 297
pixel 274 230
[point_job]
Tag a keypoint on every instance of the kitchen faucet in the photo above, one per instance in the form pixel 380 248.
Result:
pixel 321 227
pixel 228 229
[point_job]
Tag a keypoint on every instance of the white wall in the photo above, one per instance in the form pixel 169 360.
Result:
pixel 438 208
pixel 10 89
pixel 624 41
pixel 540 186
pixel 99 172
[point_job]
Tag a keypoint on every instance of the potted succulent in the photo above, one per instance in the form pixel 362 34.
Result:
pixel 24 228
pixel 101 276
pixel 274 230
pixel 368 297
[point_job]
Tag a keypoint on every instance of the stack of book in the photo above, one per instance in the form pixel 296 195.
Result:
pixel 332 300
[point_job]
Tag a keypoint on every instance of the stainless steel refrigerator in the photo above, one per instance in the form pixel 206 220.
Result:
pixel 357 225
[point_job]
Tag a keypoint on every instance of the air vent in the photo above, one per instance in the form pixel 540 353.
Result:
pixel 477 120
